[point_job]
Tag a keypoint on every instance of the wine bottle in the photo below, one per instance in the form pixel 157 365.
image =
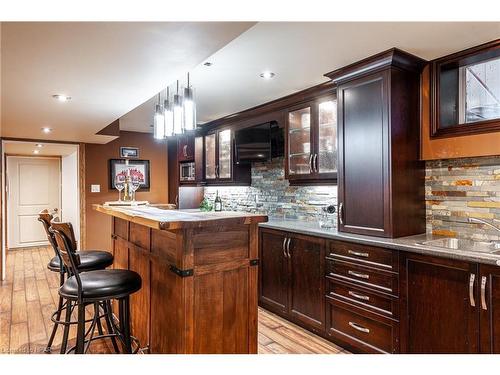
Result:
pixel 218 202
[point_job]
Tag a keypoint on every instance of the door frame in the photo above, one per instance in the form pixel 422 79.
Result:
pixel 80 147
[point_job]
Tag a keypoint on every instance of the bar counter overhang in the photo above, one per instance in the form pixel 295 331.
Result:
pixel 199 274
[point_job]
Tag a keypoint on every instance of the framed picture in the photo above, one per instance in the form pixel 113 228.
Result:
pixel 129 152
pixel 139 168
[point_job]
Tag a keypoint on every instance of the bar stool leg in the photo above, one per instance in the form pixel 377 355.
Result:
pixel 108 316
pixel 124 308
pixel 54 328
pixel 64 342
pixel 80 329
pixel 97 312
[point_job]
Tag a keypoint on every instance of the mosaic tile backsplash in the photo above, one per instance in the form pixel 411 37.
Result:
pixel 460 188
pixel 271 194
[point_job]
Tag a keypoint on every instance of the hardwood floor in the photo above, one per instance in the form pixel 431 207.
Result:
pixel 29 296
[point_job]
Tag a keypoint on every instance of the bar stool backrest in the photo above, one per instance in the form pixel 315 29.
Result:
pixel 45 217
pixel 65 247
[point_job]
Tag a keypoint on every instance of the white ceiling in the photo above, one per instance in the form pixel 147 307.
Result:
pixel 47 149
pixel 300 53
pixel 107 68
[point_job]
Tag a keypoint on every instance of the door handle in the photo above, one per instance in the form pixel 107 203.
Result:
pixel 341 213
pixel 359 328
pixel 314 163
pixel 483 293
pixel 471 290
pixel 184 150
pixel 360 275
pixel 310 163
pixel 283 246
pixel 288 247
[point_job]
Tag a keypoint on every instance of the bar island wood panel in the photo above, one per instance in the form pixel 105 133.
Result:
pixel 199 274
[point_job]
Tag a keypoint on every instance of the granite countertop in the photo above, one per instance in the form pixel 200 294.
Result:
pixel 410 244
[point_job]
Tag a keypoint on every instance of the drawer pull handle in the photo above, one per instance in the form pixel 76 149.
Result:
pixel 484 306
pixel 360 275
pixel 359 296
pixel 471 290
pixel 358 254
pixel 359 328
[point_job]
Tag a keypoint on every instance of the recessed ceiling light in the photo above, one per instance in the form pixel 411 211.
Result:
pixel 208 63
pixel 61 98
pixel 39 145
pixel 267 74
pixel 46 130
pixel 35 151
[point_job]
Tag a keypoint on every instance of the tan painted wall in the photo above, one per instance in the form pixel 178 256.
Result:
pixel 98 226
pixel 486 144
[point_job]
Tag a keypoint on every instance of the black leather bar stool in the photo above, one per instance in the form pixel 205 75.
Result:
pixel 95 287
pixel 89 261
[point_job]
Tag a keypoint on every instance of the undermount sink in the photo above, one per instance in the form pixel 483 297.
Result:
pixel 491 247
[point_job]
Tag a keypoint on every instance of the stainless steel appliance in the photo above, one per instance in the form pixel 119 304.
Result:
pixel 187 172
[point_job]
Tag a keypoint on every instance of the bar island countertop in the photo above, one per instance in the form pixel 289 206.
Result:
pixel 199 277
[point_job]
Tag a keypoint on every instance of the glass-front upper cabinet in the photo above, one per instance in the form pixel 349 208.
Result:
pixel 312 141
pixel 210 157
pixel 466 92
pixel 225 152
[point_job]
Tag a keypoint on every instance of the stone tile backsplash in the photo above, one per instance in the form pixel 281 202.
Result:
pixel 456 189
pixel 270 193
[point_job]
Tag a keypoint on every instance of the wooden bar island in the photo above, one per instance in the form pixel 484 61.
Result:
pixel 199 275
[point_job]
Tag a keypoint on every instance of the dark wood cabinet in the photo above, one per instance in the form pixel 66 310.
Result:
pixel 307 285
pixel 311 141
pixel 186 148
pixel 439 304
pixel 292 277
pixel 489 305
pixel 220 167
pixel 380 186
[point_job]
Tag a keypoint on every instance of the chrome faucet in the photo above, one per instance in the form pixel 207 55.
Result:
pixel 481 221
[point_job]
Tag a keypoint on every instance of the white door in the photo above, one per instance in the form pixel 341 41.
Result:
pixel 32 185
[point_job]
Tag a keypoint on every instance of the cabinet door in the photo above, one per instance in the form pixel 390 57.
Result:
pixel 325 157
pixel 490 309
pixel 273 272
pixel 439 305
pixel 307 280
pixel 225 149
pixel 299 143
pixel 210 157
pixel 186 148
pixel 364 156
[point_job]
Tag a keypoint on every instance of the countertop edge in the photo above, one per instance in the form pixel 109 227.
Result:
pixel 401 244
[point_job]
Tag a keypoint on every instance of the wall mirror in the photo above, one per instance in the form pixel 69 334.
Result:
pixel 466 91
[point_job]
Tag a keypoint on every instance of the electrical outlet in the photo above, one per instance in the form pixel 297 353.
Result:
pixel 95 188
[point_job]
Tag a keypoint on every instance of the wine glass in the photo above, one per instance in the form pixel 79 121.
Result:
pixel 135 183
pixel 119 185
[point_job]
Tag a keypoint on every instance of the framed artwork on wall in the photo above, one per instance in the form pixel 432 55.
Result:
pixel 139 168
pixel 129 152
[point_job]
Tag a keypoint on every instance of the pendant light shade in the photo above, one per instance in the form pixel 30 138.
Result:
pixel 189 108
pixel 178 113
pixel 168 114
pixel 158 121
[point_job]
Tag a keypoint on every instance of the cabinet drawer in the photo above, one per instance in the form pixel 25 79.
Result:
pixel 359 330
pixel 372 256
pixel 362 298
pixel 384 281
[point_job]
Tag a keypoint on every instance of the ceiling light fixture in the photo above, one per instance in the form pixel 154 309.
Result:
pixel 36 151
pixel 208 63
pixel 189 108
pixel 61 98
pixel 39 145
pixel 178 113
pixel 46 130
pixel 158 121
pixel 168 115
pixel 267 74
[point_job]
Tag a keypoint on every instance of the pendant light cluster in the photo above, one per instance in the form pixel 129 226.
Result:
pixel 175 117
